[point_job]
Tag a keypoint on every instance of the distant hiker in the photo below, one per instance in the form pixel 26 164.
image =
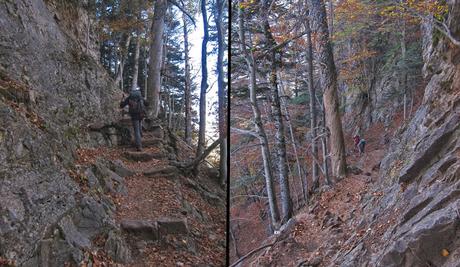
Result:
pixel 135 102
pixel 361 145
pixel 356 140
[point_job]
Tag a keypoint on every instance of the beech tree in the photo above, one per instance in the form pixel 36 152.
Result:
pixel 328 78
pixel 313 121
pixel 280 140
pixel 204 81
pixel 156 55
pixel 136 62
pixel 221 92
pixel 121 65
pixel 188 89
pixel 261 135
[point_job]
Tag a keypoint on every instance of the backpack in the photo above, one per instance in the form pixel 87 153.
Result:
pixel 135 105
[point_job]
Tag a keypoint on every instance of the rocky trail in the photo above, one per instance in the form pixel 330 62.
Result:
pixel 333 221
pixel 165 218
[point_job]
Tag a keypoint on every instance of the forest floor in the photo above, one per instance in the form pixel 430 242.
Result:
pixel 169 197
pixel 331 222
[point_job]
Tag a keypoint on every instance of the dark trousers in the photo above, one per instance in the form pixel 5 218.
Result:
pixel 361 147
pixel 137 132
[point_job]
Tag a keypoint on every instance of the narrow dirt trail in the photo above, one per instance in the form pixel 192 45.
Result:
pixel 333 220
pixel 167 219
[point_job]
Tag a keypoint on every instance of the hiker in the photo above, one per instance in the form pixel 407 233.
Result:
pixel 356 140
pixel 361 145
pixel 135 102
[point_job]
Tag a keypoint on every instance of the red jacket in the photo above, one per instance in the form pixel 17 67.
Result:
pixel 356 139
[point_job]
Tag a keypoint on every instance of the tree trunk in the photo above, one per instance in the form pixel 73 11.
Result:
pixel 188 89
pixel 204 81
pixel 331 18
pixel 280 142
pixel 329 82
pixel 313 120
pixel 235 244
pixel 294 146
pixel 265 149
pixel 403 69
pixel 170 110
pixel 221 94
pixel 121 66
pixel 325 136
pixel 136 63
pixel 156 52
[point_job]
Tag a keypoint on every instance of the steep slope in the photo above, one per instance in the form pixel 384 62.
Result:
pixel 420 174
pixel 58 108
pixel 406 211
pixel 51 88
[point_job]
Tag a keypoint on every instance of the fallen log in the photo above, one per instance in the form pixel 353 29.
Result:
pixel 191 166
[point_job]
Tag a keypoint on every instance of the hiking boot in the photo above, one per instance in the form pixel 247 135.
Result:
pixel 139 149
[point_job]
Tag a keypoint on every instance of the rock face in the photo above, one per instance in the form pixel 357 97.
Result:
pixel 420 175
pixel 51 88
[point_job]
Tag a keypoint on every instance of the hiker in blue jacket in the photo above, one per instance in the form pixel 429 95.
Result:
pixel 361 145
pixel 136 112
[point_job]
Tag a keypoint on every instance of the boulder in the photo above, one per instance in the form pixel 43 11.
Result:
pixel 72 235
pixel 93 217
pixel 172 226
pixel 93 182
pixel 119 168
pixel 144 229
pixel 117 249
pixel 109 180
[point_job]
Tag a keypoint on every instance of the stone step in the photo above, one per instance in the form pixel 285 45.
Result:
pixel 162 170
pixel 143 156
pixel 126 121
pixel 148 142
pixel 143 228
pixel 172 226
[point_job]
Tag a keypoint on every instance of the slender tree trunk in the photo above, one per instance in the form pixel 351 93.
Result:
pixel 329 82
pixel 164 78
pixel 204 80
pixel 235 244
pixel 221 94
pixel 171 111
pixel 313 120
pixel 136 63
pixel 286 203
pixel 403 69
pixel 294 146
pixel 265 149
pixel 188 93
pixel 324 141
pixel 331 18
pixel 144 72
pixel 156 52
pixel 121 66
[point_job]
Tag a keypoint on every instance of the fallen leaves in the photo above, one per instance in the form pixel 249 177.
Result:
pixel 444 252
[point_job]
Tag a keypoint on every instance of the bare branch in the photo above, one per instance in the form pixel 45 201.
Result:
pixel 247 132
pixel 181 8
pixel 238 196
pixel 255 251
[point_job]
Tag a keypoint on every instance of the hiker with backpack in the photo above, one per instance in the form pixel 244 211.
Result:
pixel 356 141
pixel 360 143
pixel 135 102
